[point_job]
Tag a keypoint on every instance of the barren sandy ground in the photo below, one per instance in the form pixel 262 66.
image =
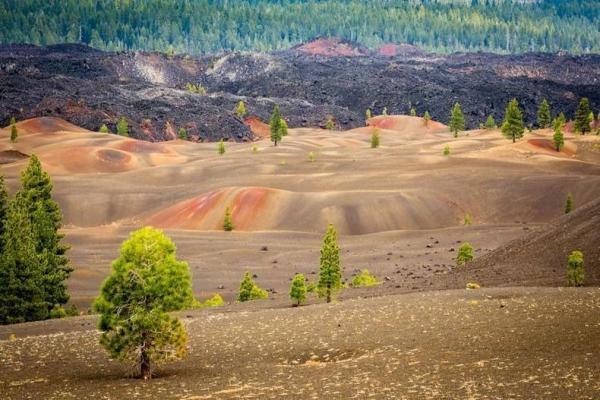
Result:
pixel 399 212
pixel 510 343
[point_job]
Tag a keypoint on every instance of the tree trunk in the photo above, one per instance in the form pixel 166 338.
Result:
pixel 514 138
pixel 145 365
pixel 328 293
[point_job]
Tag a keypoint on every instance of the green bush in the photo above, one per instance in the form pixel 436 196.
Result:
pixel 215 301
pixel 57 312
pixel 298 289
pixel 465 254
pixel 364 279
pixel 249 290
pixel 575 269
pixel 446 150
pixel 375 139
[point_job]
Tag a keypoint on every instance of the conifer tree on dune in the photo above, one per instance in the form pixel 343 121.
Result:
pixel 275 126
pixel 582 117
pixel 330 272
pixel 513 127
pixel 457 120
pixel 544 115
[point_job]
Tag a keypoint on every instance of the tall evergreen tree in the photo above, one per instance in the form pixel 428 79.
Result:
pixel 457 120
pixel 513 127
pixel 298 289
pixel 240 110
pixel 147 282
pixel 426 118
pixel 46 220
pixel 123 127
pixel 14 133
pixel 490 123
pixel 275 125
pixel 544 116
pixel 582 117
pixel 228 221
pixel 22 288
pixel 330 272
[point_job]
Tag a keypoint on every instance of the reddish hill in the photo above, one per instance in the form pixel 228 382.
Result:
pixel 332 47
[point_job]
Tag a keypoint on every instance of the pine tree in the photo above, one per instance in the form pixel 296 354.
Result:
pixel 103 129
pixel 375 139
pixel 368 114
pixel 249 290
pixel 490 123
pixel 467 220
pixel 14 133
pixel 275 125
pixel 298 289
pixel 465 254
pixel 426 118
pixel 46 220
pixel 457 120
pixel 413 112
pixel 513 127
pixel 330 272
pixel 582 117
pixel 330 124
pixel 147 282
pixel 227 221
pixel 446 151
pixel 22 292
pixel 182 134
pixel 123 127
pixel 559 139
pixel 544 115
pixel 240 110
pixel 569 203
pixel 575 269
pixel 221 147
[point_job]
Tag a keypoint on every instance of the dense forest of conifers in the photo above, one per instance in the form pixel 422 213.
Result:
pixel 200 26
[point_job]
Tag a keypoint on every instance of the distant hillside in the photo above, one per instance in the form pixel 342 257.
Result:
pixel 201 26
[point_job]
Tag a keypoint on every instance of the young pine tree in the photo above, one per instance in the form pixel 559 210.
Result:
pixel 330 124
pixel 446 151
pixel 413 112
pixel 513 127
pixel 249 290
pixel 582 117
pixel 123 127
pixel 240 110
pixel 182 134
pixel 490 123
pixel 368 114
pixel 330 272
pixel 465 254
pixel 575 269
pixel 14 133
pixel 227 221
pixel 426 118
pixel 569 203
pixel 275 126
pixel 221 147
pixel 457 120
pixel 22 292
pixel 103 129
pixel 45 217
pixel 375 139
pixel 146 283
pixel 558 139
pixel 298 289
pixel 283 127
pixel 544 115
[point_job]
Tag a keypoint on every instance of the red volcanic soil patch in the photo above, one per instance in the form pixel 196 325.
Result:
pixel 11 156
pixel 392 49
pixel 332 47
pixel 47 125
pixel 404 123
pixel 259 128
pixel 86 159
pixel 188 214
pixel 139 146
pixel 548 146
pixel 246 206
pixel 113 156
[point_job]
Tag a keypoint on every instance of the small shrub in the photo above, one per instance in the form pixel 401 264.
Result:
pixel 413 112
pixel 311 157
pixel 330 124
pixel 569 203
pixel 575 269
pixel 123 127
pixel 240 110
pixel 446 150
pixel 103 129
pixel 465 254
pixel 255 149
pixel 473 285
pixel 298 289
pixel 282 163
pixel 364 279
pixel 228 221
pixel 215 301
pixel 182 134
pixel 57 312
pixel 375 139
pixel 467 220
pixel 249 290
pixel 198 89
pixel 385 111
pixel 72 311
pixel 311 287
pixel 221 147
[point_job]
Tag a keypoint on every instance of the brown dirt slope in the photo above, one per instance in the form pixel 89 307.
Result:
pixel 540 257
